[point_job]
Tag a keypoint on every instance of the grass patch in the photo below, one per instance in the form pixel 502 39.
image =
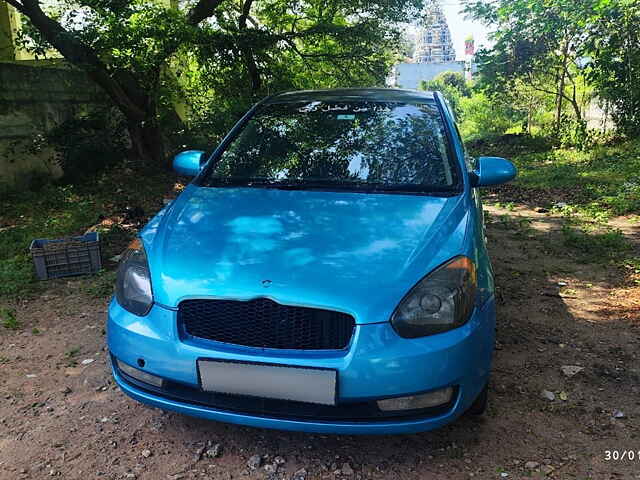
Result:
pixel 520 226
pixel 70 356
pixel 101 284
pixel 8 319
pixel 604 179
pixel 595 246
pixel 632 265
pixel 72 352
pixel 58 211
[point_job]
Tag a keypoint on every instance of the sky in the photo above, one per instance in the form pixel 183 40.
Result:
pixel 461 28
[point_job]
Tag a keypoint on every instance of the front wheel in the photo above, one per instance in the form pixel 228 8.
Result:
pixel 479 405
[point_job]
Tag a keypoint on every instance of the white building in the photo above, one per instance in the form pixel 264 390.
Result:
pixel 433 54
pixel 409 75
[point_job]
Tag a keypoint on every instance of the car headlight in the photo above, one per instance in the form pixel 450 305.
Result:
pixel 441 301
pixel 133 281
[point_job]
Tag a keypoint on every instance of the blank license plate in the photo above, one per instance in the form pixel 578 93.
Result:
pixel 310 385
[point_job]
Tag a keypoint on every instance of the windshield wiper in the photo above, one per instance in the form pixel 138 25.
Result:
pixel 328 185
pixel 367 187
pixel 280 184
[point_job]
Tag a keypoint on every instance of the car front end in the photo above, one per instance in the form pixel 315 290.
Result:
pixel 379 373
pixel 350 308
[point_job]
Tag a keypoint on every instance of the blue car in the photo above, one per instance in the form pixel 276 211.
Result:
pixel 325 271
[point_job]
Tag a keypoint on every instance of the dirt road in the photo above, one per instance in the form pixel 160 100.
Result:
pixel 61 416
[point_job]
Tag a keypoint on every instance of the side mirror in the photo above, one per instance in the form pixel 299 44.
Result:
pixel 493 171
pixel 188 162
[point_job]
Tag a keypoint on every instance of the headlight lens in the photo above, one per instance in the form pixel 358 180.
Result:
pixel 441 301
pixel 133 282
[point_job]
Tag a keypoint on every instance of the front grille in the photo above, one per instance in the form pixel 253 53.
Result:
pixel 266 324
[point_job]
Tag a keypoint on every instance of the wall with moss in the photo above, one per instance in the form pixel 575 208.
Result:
pixel 34 98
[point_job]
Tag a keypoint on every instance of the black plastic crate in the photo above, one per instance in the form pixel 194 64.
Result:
pixel 65 257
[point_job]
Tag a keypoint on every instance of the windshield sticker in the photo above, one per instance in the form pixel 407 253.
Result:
pixel 344 107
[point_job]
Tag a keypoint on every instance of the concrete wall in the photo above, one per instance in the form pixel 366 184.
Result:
pixel 10 27
pixel 598 116
pixel 409 75
pixel 34 99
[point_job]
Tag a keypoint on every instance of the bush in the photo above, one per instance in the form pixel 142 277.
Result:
pixel 452 85
pixel 89 143
pixel 481 117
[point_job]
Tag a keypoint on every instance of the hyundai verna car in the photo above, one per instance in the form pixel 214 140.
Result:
pixel 325 271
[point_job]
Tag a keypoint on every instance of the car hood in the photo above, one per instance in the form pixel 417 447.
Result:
pixel 354 252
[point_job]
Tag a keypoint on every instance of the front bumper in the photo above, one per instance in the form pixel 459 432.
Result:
pixel 377 364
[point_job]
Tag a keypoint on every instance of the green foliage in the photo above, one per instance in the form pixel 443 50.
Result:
pixel 16 272
pixel 571 132
pixel 62 210
pixel 454 80
pixel 612 46
pixel 8 319
pixel 452 85
pixel 211 60
pixel 51 212
pixel 481 117
pixel 510 145
pixel 563 54
pixel 598 246
pixel 603 180
pixel 101 284
pixel 89 143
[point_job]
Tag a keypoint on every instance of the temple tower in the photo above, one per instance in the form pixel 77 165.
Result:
pixel 433 43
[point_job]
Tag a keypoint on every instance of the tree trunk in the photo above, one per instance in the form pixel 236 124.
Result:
pixel 247 52
pixel 252 69
pixel 559 98
pixel 561 83
pixel 576 109
pixel 147 141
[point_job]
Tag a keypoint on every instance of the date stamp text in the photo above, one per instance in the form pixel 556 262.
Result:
pixel 622 455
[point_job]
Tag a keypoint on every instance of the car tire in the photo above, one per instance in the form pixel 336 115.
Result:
pixel 479 405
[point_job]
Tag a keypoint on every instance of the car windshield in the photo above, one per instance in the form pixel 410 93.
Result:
pixel 366 146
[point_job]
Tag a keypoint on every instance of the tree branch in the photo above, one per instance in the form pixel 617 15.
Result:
pixel 202 10
pixel 246 9
pixel 247 52
pixel 85 58
pixel 563 95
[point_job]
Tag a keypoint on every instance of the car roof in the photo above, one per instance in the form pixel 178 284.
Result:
pixel 354 94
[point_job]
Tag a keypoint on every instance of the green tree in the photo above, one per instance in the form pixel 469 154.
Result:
pixel 452 85
pixel 538 43
pixel 482 117
pixel 613 50
pixel 139 51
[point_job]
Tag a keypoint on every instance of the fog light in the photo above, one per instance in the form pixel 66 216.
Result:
pixel 414 402
pixel 140 375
